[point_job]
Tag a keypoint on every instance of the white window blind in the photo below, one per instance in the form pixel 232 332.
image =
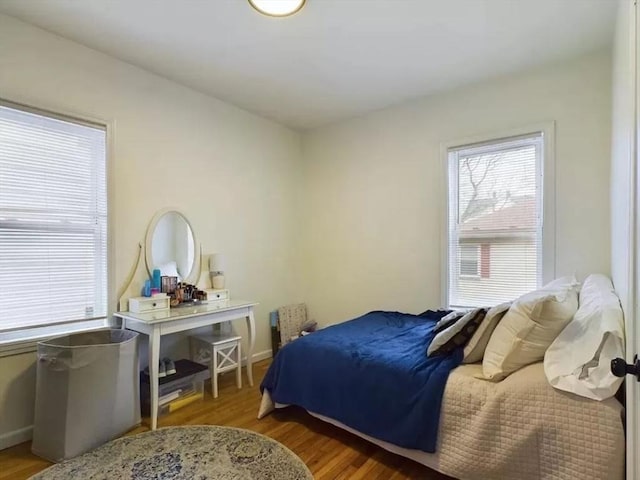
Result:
pixel 494 220
pixel 53 220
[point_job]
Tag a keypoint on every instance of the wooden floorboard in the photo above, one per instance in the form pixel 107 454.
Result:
pixel 329 452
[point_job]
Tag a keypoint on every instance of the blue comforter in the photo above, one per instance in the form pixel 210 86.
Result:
pixel 372 374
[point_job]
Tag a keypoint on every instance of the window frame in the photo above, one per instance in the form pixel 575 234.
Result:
pixel 24 340
pixel 548 260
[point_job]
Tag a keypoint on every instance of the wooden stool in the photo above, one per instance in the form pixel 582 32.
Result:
pixel 221 353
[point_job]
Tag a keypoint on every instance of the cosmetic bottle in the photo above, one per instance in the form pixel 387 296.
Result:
pixel 157 279
pixel 146 291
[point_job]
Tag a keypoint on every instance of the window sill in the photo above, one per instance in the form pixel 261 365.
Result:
pixel 26 341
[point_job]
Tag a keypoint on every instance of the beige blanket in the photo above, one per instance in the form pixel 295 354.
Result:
pixel 520 429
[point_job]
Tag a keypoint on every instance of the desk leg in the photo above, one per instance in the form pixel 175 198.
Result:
pixel 251 328
pixel 154 360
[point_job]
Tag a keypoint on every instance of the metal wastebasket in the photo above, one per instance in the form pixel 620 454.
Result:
pixel 87 392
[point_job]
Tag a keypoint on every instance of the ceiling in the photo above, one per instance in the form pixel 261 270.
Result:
pixel 336 58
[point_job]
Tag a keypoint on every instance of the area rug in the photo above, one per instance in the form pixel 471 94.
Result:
pixel 185 453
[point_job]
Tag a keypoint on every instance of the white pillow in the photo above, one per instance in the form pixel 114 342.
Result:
pixel 579 360
pixel 474 350
pixel 528 328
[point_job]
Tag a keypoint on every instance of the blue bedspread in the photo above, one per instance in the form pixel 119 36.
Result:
pixel 371 374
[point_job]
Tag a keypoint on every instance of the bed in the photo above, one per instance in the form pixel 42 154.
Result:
pixel 520 428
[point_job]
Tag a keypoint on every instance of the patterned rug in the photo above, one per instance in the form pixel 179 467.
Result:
pixel 185 453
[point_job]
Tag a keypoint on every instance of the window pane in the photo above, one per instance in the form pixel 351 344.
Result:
pixel 53 220
pixel 469 260
pixel 495 223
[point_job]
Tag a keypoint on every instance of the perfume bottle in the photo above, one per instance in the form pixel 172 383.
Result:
pixel 157 282
pixel 146 291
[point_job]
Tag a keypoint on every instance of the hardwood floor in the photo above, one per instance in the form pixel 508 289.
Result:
pixel 329 452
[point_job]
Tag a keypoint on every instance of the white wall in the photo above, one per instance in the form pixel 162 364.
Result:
pixel 232 173
pixel 374 186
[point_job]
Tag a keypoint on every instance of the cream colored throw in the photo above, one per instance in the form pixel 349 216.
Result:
pixel 518 429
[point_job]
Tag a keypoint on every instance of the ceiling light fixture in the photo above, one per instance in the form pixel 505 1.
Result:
pixel 277 8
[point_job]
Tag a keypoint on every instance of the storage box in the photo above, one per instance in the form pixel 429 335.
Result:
pixel 87 392
pixel 188 381
pixel 183 400
pixel 149 304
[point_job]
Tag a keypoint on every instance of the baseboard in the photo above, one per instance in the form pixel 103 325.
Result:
pixel 10 439
pixel 256 357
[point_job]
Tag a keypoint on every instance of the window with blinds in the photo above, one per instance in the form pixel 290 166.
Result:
pixel 494 220
pixel 53 220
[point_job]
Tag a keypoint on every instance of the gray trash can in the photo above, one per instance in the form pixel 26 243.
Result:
pixel 87 392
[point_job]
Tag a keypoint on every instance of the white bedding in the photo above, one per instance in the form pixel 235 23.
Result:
pixel 579 360
pixel 520 429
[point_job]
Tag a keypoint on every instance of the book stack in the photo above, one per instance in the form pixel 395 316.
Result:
pixel 178 399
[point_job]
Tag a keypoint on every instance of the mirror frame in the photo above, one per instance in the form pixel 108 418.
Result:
pixel 149 238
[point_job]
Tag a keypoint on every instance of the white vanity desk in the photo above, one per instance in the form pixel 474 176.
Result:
pixel 158 323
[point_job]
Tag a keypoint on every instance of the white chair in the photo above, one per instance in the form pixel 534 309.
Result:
pixel 222 354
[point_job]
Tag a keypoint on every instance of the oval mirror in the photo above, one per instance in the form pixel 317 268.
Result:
pixel 171 245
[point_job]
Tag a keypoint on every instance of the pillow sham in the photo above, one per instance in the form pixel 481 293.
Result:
pixel 457 334
pixel 448 320
pixel 579 360
pixel 474 350
pixel 529 327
